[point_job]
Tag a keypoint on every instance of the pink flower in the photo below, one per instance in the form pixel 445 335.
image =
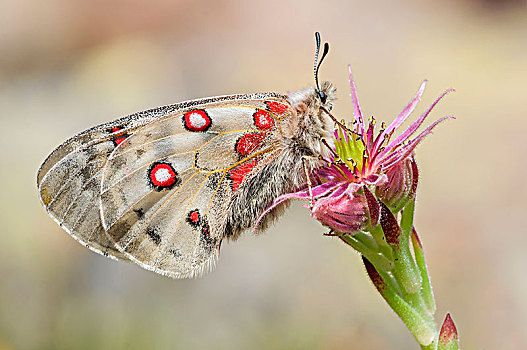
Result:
pixel 368 157
pixel 344 210
pixel 364 163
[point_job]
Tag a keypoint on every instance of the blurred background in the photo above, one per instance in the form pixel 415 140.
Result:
pixel 66 65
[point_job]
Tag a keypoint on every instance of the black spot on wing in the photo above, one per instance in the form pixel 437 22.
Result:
pixel 154 236
pixel 139 212
pixel 214 180
pixel 175 253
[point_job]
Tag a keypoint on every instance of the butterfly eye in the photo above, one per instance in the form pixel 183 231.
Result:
pixel 323 96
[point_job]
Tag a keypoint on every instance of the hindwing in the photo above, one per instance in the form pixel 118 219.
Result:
pixel 69 181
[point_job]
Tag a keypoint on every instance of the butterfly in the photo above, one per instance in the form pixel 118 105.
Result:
pixel 164 187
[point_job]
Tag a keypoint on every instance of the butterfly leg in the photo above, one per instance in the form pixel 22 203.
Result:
pixel 309 184
pixel 335 155
pixel 332 234
pixel 341 124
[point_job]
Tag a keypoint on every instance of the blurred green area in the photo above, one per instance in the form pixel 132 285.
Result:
pixel 68 65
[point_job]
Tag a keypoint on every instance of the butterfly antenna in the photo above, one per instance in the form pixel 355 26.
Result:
pixel 324 53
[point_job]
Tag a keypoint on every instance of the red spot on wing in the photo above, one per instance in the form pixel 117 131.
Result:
pixel 119 140
pixel 276 107
pixel 263 120
pixel 162 175
pixel 249 143
pixel 120 137
pixel 196 120
pixel 238 173
pixel 194 218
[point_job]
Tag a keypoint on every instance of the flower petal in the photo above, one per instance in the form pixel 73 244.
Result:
pixel 357 113
pixel 402 116
pixel 412 128
pixel 317 191
pixel 405 151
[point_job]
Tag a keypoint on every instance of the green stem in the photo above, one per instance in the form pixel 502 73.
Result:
pixel 407 271
pixel 423 330
pixel 426 288
pixel 379 237
pixel 372 255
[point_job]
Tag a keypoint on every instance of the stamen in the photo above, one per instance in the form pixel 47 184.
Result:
pixel 363 143
pixel 365 154
pixel 353 163
pixel 354 172
pixel 389 136
pixel 364 163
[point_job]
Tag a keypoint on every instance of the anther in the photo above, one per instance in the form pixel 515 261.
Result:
pixel 365 154
pixel 353 163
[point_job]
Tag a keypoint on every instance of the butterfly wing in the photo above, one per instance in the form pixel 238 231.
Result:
pixel 69 181
pixel 166 189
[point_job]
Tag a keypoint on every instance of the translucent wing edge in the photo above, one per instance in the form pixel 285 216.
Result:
pixel 202 269
pixel 85 244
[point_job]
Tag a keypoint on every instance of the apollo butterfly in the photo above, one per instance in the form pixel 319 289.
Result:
pixel 164 187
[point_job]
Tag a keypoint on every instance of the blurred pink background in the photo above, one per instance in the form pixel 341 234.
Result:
pixel 68 65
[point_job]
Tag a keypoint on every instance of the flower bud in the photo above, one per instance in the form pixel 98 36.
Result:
pixel 344 210
pixel 448 336
pixel 401 185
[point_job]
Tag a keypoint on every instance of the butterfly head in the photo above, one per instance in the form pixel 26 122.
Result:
pixel 326 95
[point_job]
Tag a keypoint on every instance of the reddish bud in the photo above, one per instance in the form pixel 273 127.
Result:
pixel 401 185
pixel 343 210
pixel 448 336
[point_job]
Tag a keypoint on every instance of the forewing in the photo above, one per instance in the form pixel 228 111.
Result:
pixel 166 189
